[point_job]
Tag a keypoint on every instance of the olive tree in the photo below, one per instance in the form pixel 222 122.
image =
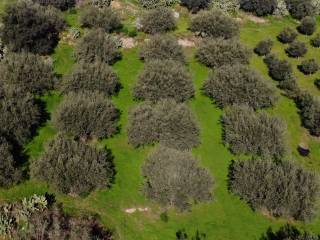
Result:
pixel 279 70
pixel 170 123
pixel 264 47
pixel 238 84
pixel 315 42
pixel 258 134
pixel 174 179
pixel 73 167
pixel 309 66
pixel 164 79
pixel 219 52
pixel 308 25
pixel 60 4
pixel 259 7
pixel 300 8
pixel 287 35
pixel 86 115
pixel 149 4
pixel 297 49
pixel 96 76
pixel 196 5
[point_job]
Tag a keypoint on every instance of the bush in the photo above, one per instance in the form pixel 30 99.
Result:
pixel 219 52
pixel 238 84
pixel 279 70
pixel 149 4
pixel 161 47
pixel 317 83
pixel 31 27
pixel 86 115
pixel 315 42
pixel 27 72
pixel 214 24
pixel 264 47
pixel 73 167
pixel 297 49
pixel 95 76
pixel 196 5
pixel 96 45
pixel 309 66
pixel 19 117
pixel 170 123
pixel 174 179
pixel 106 18
pixel 158 20
pixel 259 7
pixel 60 4
pixel 243 130
pixel 307 26
pixel 164 79
pixel 281 188
pixel 226 6
pixel 300 8
pixel 287 35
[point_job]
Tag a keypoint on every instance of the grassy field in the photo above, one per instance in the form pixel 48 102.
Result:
pixel 226 217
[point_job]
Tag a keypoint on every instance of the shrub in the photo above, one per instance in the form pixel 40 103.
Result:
pixel 158 20
pixel 309 66
pixel 164 79
pixel 226 6
pixel 86 115
pixel 297 49
pixel 307 26
pixel 31 27
pixel 19 117
pixel 300 8
pixel 60 4
pixel 95 76
pixel 317 83
pixel 219 52
pixel 73 167
pixel 315 42
pixel 196 5
pixel 170 123
pixel 106 18
pixel 281 188
pixel 264 47
pixel 96 45
pixel 238 84
pixel 149 4
pixel 174 179
pixel 279 70
pixel 161 47
pixel 100 3
pixel 288 232
pixel 259 7
pixel 258 134
pixel 287 35
pixel 214 24
pixel 27 72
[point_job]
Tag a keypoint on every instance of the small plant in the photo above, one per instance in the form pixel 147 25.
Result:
pixel 309 66
pixel 315 42
pixel 287 35
pixel 297 49
pixel 307 26
pixel 264 47
pixel 164 217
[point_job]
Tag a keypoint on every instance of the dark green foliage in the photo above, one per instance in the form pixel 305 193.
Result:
pixel 288 232
pixel 106 18
pixel 309 66
pixel 279 70
pixel 258 134
pixel 317 83
pixel 174 179
pixel 26 72
pixel 9 173
pixel 164 79
pixel 19 116
pixel 287 35
pixel 259 7
pixel 162 47
pixel 196 5
pixel 73 167
pixel 167 122
pixel 96 45
pixel 307 26
pixel 300 8
pixel 315 42
pixel 158 20
pixel 214 24
pixel 149 4
pixel 297 49
pixel 219 52
pixel 95 76
pixel 282 188
pixel 31 27
pixel 182 235
pixel 238 84
pixel 60 4
pixel 86 115
pixel 264 47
